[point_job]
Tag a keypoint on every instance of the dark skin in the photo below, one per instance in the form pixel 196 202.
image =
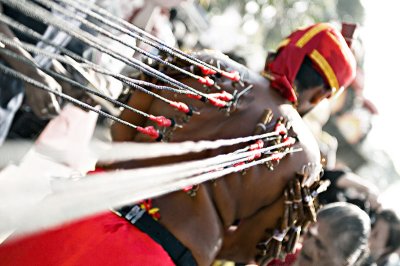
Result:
pixel 203 223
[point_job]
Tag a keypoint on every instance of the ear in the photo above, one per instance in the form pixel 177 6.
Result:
pixel 319 94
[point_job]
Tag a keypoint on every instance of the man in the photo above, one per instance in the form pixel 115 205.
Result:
pixel 228 217
pixel 43 104
pixel 340 237
pixel 26 109
pixel 385 236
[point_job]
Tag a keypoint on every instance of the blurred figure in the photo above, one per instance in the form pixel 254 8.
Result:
pixel 151 16
pixel 347 186
pixel 25 110
pixel 351 117
pixel 12 91
pixel 385 236
pixel 340 237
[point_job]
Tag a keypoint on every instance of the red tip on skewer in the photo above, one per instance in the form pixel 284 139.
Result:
pixel 206 81
pixel 186 189
pixel 224 96
pixel 161 120
pixel 181 107
pixel 289 141
pixel 207 71
pixel 194 96
pixel 254 157
pixel 259 144
pixel 233 75
pixel 217 102
pixel 277 156
pixel 280 129
pixel 149 131
pixel 239 164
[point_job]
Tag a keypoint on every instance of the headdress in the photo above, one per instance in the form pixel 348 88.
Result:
pixel 326 48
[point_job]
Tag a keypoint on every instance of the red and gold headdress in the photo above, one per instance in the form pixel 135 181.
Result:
pixel 328 51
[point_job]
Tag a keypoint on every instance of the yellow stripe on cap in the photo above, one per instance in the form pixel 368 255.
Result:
pixel 310 34
pixel 326 68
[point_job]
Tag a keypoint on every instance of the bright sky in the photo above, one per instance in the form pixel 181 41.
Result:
pixel 382 71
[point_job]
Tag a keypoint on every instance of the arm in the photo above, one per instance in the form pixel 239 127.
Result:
pixel 140 101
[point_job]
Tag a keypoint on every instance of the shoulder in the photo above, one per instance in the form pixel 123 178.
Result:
pixel 306 146
pixel 299 128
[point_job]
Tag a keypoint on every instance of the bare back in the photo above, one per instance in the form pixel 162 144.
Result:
pixel 202 222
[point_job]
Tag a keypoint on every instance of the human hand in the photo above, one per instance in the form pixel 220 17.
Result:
pixel 44 104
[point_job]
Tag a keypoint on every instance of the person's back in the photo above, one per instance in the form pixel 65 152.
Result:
pixel 201 222
pixel 248 198
pixel 237 196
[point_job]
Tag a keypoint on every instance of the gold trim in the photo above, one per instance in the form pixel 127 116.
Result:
pixel 267 75
pixel 326 69
pixel 310 34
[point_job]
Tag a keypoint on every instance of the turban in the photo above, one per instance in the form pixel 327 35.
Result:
pixel 325 47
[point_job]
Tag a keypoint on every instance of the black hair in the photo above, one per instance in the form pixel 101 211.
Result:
pixel 393 242
pixel 350 226
pixel 308 77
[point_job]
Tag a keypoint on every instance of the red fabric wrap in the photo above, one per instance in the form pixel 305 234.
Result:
pixel 104 239
pixel 320 39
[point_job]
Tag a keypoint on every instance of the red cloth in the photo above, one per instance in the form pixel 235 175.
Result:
pixel 104 239
pixel 290 259
pixel 326 48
